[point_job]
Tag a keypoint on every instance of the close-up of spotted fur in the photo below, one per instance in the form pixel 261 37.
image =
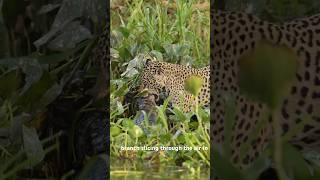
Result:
pixel 235 34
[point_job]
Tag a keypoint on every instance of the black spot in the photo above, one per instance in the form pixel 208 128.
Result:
pixel 299 77
pixel 304 91
pixel 235 43
pixel 298 112
pixel 237 29
pixel 315 95
pixel 231 17
pixel 241 50
pixel 310 109
pixel 223 41
pixel 239 136
pixel 308 61
pixel 230 35
pixel 245 139
pixel 241 123
pixel 316 118
pixel 301 49
pixel 228 47
pixel 308 140
pixel 316 81
pixel 244 109
pixel 231 24
pixel 307 128
pixel 251 109
pixel 238 144
pixel 279 37
pixel 252 44
pixel 310 38
pixel 307 76
pixel 288 37
pixel 285 128
pixel 305 23
pixel 247 126
pixel 270 31
pixel 215 32
pixel 215 133
pixel 284 113
pixel 251 35
pixel 217 42
pixel 301 103
pixel 262 33
pixel 293 90
pixel 241 21
pixel 242 37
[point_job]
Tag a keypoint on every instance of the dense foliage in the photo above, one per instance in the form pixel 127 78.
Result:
pixel 47 86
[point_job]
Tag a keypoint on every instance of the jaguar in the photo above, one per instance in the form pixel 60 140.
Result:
pixel 233 35
pixel 164 80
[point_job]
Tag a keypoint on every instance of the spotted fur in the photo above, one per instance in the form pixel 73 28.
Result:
pixel 235 34
pixel 165 80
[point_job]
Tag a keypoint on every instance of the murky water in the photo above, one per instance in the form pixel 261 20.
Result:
pixel 129 170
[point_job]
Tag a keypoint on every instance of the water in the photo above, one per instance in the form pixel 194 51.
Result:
pixel 138 170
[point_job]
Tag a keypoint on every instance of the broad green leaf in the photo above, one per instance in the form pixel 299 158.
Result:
pixel 114 131
pixel 50 95
pixel 10 82
pixel 29 98
pixel 193 84
pixel 47 8
pixel 257 167
pixel 73 34
pixel 32 70
pixel 295 165
pixel 266 73
pixel 127 123
pixel 32 146
pixel 124 31
pixel 135 131
pixel 224 169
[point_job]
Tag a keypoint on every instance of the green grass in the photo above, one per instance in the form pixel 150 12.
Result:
pixel 172 32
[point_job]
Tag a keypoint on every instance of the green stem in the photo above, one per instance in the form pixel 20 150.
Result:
pixel 278 146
